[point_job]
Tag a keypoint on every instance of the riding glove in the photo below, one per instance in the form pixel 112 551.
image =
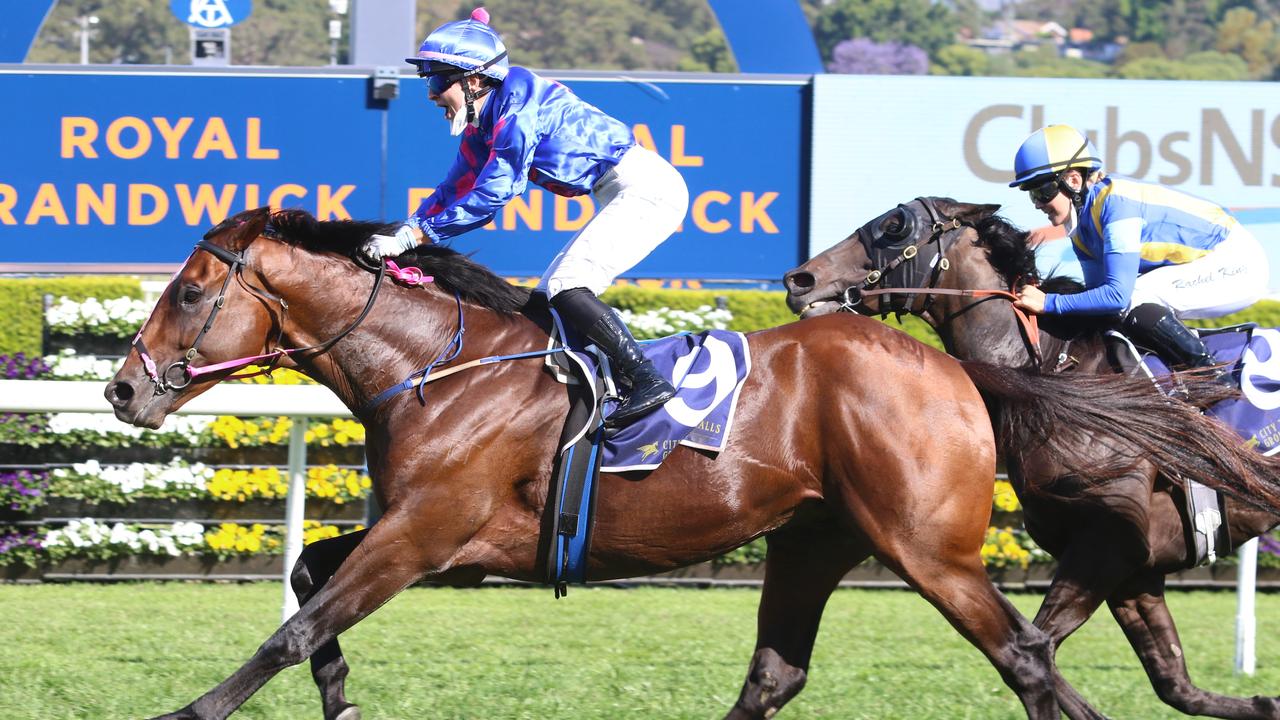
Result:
pixel 378 247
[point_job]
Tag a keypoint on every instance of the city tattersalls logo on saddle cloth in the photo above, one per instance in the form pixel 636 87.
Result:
pixel 707 370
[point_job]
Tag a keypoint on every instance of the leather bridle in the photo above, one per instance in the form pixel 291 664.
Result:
pixel 181 373
pixel 903 266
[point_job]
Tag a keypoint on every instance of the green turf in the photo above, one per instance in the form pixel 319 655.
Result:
pixel 135 650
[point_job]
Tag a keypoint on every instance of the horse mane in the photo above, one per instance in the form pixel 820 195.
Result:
pixel 1010 253
pixel 453 271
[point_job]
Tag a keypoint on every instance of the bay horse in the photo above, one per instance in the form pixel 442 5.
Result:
pixel 817 462
pixel 1115 541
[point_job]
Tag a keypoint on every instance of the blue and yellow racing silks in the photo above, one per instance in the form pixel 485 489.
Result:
pixel 1127 228
pixel 531 128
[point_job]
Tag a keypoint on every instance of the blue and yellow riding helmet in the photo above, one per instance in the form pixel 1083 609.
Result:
pixel 1050 150
pixel 457 50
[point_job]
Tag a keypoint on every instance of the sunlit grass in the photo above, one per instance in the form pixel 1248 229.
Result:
pixel 136 650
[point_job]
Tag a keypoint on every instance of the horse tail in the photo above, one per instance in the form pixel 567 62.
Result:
pixel 1064 418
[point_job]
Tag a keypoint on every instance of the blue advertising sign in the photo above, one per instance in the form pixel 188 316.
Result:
pixel 131 167
pixel 211 13
pixel 22 21
pixel 736 143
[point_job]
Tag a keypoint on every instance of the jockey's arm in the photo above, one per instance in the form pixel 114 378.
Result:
pixel 498 178
pixel 1109 280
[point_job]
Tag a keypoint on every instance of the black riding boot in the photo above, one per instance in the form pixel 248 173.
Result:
pixel 1156 326
pixel 649 390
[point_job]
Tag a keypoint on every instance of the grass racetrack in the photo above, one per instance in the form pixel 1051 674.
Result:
pixel 137 650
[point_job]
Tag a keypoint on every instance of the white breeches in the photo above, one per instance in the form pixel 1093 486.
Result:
pixel 1230 278
pixel 640 202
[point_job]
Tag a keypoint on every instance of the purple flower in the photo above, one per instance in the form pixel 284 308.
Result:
pixel 864 56
pixel 23 490
pixel 19 367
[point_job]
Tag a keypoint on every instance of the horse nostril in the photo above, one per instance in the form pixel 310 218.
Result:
pixel 121 393
pixel 799 281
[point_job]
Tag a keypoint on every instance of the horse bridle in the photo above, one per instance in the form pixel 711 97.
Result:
pixel 941 226
pixel 938 263
pixel 181 373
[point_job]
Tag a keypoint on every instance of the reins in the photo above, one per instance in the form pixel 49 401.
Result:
pixel 1028 322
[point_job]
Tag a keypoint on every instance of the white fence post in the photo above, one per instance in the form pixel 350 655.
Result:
pixel 295 509
pixel 1246 622
pixel 300 402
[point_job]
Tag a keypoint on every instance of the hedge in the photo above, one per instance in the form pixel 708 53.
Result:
pixel 22 304
pixel 21 307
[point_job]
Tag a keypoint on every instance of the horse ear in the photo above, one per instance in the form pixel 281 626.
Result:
pixel 241 229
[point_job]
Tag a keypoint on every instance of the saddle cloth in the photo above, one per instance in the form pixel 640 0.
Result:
pixel 1252 355
pixel 707 370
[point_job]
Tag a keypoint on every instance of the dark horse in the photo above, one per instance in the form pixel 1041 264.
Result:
pixel 1115 541
pixel 817 462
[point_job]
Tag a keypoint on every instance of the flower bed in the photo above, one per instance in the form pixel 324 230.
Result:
pixel 218 500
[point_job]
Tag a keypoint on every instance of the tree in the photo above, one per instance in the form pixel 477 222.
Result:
pixel 1197 66
pixel 863 56
pixel 710 53
pixel 283 32
pixel 604 34
pixel 1254 41
pixel 128 31
pixel 1045 61
pixel 925 24
pixel 960 60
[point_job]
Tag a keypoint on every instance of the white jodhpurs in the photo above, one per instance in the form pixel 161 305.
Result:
pixel 640 202
pixel 1230 278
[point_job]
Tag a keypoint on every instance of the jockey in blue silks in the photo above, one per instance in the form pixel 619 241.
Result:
pixel 1151 255
pixel 517 127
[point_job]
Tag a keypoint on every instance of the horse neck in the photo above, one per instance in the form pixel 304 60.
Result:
pixel 405 330
pixel 987 330
pixel 983 329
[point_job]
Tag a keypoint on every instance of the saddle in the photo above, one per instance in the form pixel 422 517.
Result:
pixel 707 369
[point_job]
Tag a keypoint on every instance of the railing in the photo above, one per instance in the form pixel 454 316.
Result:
pixel 299 402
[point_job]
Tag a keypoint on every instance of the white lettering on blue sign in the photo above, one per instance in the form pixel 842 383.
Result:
pixel 211 13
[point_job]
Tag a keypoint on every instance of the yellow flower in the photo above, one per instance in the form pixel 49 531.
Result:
pixel 1005 499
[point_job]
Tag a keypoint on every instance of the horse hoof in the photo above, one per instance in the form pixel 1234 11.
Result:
pixel 350 712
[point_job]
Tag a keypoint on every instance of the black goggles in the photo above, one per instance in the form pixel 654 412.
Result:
pixel 1044 191
pixel 438 83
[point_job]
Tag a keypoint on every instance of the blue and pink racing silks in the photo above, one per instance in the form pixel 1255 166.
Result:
pixel 1127 228
pixel 531 128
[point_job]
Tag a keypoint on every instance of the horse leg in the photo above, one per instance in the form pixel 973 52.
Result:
pixel 318 562
pixel 1140 608
pixel 384 563
pixel 1088 570
pixel 956 583
pixel 802 568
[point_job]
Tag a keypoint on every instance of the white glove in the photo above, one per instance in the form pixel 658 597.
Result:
pixel 378 247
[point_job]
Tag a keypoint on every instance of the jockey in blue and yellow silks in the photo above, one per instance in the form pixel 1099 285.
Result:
pixel 1151 255
pixel 517 127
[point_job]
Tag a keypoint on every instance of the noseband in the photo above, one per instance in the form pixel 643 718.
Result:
pixel 181 373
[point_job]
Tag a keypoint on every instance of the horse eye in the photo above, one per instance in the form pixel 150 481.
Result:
pixel 893 225
pixel 190 295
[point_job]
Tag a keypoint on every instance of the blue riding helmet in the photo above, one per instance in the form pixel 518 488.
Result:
pixel 1050 150
pixel 462 48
